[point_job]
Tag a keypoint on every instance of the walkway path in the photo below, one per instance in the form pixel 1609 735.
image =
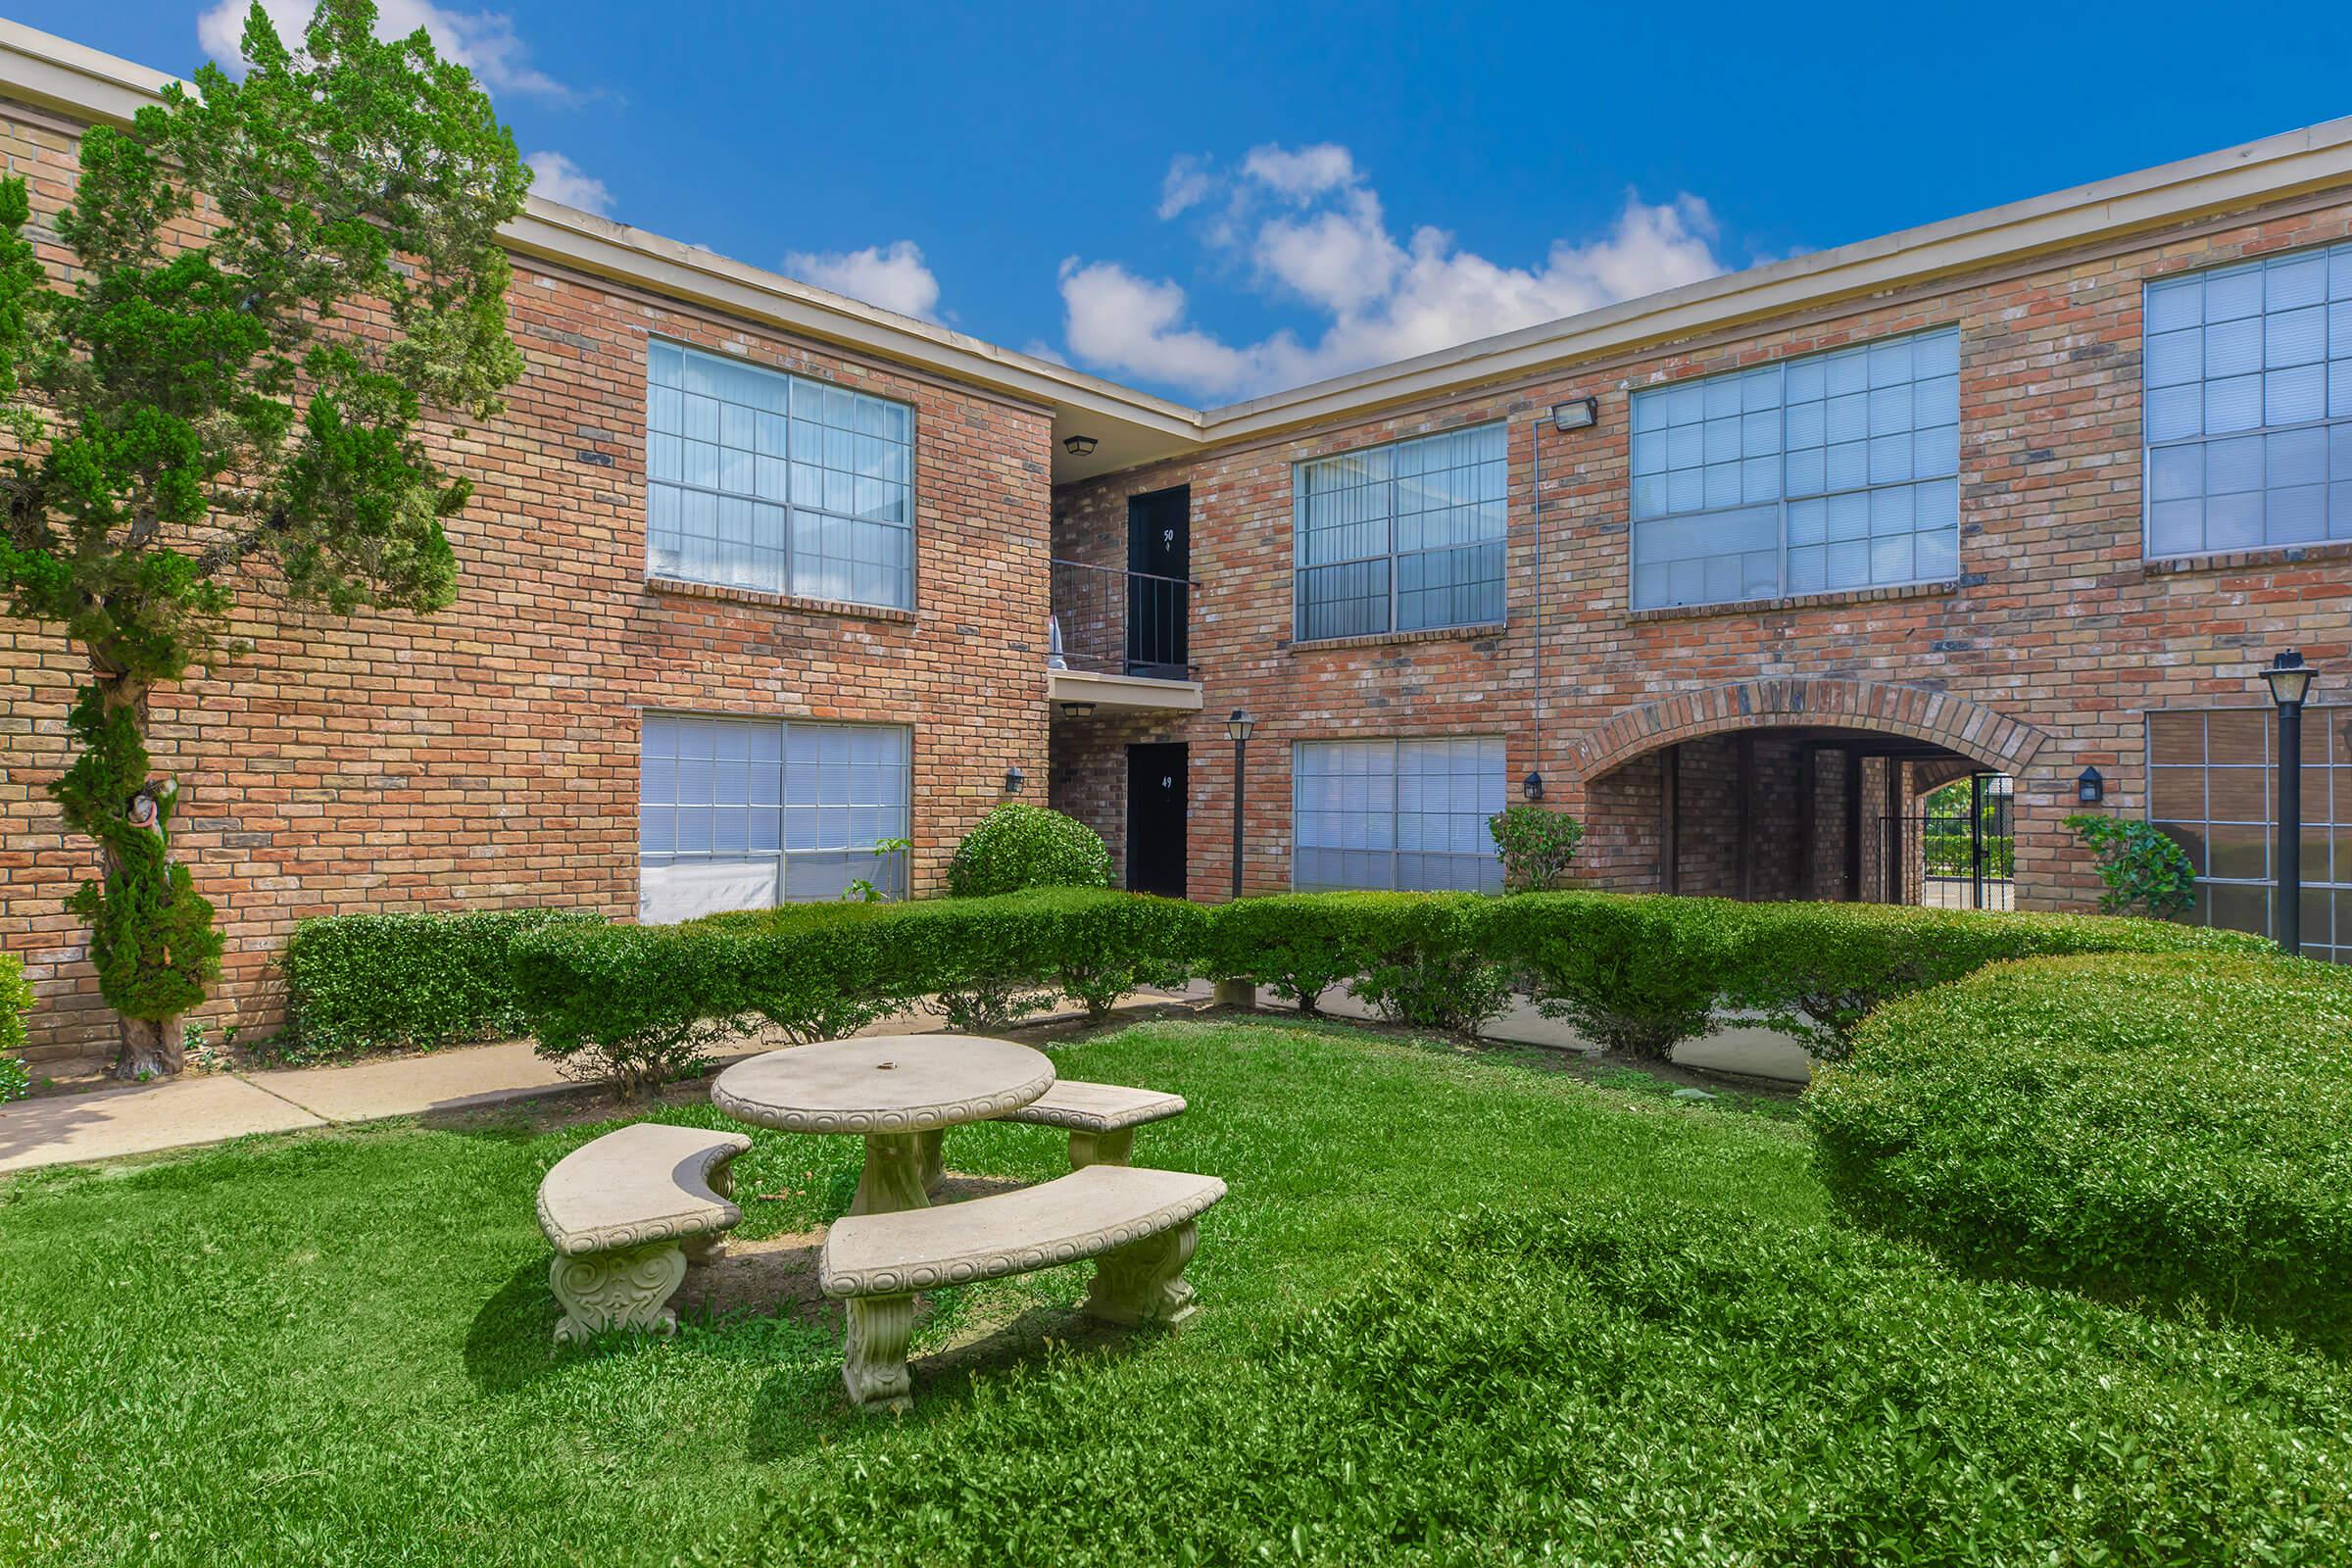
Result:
pixel 141 1119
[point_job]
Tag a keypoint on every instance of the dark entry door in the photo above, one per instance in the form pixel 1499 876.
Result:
pixel 1156 800
pixel 1159 567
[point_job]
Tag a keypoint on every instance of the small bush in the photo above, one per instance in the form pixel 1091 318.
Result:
pixel 1107 948
pixel 2175 1128
pixel 2145 872
pixel 1299 945
pixel 1425 961
pixel 388 982
pixel 1635 972
pixel 1662 1387
pixel 1536 846
pixel 1016 847
pixel 1817 970
pixel 16 1006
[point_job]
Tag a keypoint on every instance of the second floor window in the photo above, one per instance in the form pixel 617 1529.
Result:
pixel 2249 405
pixel 1818 475
pixel 760 479
pixel 1403 537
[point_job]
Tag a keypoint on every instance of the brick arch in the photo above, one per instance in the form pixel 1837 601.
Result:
pixel 1920 713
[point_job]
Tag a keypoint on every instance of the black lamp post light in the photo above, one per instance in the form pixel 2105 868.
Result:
pixel 2290 680
pixel 1238 728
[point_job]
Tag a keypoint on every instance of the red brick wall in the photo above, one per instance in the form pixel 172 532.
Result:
pixel 487 756
pixel 2057 621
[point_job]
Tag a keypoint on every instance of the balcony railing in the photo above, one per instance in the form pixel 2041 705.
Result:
pixel 1112 621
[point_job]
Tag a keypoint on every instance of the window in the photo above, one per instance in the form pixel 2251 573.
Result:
pixel 2249 372
pixel 1404 537
pixel 743 814
pixel 758 480
pixel 1408 814
pixel 2212 778
pixel 1812 475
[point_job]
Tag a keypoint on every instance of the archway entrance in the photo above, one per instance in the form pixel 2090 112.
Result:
pixel 1785 789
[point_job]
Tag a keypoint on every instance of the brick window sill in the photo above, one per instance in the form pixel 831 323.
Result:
pixel 775 600
pixel 1382 639
pixel 1788 602
pixel 2268 556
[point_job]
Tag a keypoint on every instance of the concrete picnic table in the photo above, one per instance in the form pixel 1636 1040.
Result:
pixel 899 1091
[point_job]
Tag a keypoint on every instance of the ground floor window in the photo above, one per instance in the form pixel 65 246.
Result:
pixel 2213 786
pixel 740 814
pixel 1405 815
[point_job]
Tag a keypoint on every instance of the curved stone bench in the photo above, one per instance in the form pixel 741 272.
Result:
pixel 1141 1224
pixel 1101 1119
pixel 626 1213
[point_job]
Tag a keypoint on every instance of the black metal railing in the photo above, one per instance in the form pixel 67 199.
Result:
pixel 1111 621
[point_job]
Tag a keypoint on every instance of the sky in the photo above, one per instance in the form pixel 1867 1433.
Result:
pixel 1212 202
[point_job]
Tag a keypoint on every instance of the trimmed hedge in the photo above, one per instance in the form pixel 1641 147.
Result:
pixel 388 982
pixel 2173 1128
pixel 1299 945
pixel 1017 846
pixel 637 1005
pixel 1424 960
pixel 16 1006
pixel 1657 1386
pixel 1817 970
pixel 1635 972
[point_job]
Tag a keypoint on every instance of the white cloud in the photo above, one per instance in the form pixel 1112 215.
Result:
pixel 1186 185
pixel 484 43
pixel 560 180
pixel 1301 173
pixel 893 276
pixel 1307 228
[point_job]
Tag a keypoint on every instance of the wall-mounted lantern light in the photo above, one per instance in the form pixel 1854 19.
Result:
pixel 1014 778
pixel 2090 787
pixel 1079 446
pixel 1531 786
pixel 1581 414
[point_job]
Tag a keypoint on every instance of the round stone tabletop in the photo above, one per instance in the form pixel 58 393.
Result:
pixel 886 1084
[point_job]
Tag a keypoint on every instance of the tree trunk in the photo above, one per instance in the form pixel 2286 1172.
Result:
pixel 146 1048
pixel 150 1048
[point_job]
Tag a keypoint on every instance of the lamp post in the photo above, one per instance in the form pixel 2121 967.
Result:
pixel 2291 682
pixel 1239 727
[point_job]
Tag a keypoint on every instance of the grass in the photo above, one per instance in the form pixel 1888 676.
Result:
pixel 1454 1307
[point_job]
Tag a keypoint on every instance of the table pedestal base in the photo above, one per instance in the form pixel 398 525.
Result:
pixel 894 1176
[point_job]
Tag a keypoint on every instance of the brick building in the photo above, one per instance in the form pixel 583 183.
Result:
pixel 759 580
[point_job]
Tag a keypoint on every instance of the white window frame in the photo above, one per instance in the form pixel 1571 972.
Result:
pixel 794 513
pixel 2333 371
pixel 1782 501
pixel 1490 868
pixel 892 883
pixel 1300 567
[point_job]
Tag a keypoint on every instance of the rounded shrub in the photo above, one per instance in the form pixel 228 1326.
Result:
pixel 1017 847
pixel 2174 1129
pixel 1817 970
pixel 1636 972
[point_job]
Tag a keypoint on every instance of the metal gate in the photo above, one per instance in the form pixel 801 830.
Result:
pixel 1959 852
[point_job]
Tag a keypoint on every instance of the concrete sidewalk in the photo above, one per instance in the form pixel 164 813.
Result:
pixel 143 1119
pixel 187 1112
pixel 194 1111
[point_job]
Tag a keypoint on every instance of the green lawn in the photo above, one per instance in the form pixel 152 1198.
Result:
pixel 1456 1306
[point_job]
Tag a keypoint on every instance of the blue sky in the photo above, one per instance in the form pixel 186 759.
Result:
pixel 1214 200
